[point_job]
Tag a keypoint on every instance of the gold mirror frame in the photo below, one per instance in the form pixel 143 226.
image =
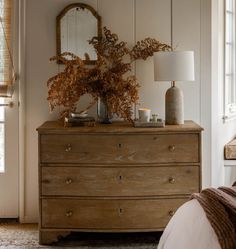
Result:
pixel 58 26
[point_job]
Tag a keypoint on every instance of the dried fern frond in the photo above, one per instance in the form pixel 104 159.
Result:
pixel 106 79
pixel 146 48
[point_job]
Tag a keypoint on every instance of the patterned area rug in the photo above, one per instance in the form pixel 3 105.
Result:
pixel 26 237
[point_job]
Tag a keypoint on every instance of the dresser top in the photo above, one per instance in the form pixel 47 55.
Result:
pixel 55 127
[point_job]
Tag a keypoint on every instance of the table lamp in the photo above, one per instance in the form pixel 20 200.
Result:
pixel 174 66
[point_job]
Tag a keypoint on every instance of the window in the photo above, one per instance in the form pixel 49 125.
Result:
pixel 7 72
pixel 7 75
pixel 230 83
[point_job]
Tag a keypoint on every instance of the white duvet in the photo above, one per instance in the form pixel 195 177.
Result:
pixel 189 228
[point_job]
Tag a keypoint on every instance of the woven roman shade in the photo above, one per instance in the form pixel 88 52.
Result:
pixel 7 72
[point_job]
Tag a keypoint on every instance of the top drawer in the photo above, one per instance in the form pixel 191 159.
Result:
pixel 128 149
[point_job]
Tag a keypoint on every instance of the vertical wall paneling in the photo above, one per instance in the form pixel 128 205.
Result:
pixel 118 16
pixel 205 93
pixel 217 76
pixel 186 36
pixel 152 20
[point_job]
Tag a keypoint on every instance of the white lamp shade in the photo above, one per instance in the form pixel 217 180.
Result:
pixel 174 66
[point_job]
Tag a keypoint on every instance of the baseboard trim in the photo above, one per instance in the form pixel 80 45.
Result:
pixel 29 219
pixel 9 220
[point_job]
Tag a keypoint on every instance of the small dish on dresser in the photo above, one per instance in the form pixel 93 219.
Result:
pixel 79 115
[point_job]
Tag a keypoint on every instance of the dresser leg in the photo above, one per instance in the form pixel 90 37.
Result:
pixel 49 237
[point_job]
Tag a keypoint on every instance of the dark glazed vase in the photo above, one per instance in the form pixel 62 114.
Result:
pixel 104 115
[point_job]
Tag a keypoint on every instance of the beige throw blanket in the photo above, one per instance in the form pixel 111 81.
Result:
pixel 220 208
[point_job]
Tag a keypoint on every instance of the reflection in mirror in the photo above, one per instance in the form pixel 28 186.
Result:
pixel 77 24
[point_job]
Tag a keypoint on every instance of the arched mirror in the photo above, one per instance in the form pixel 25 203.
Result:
pixel 77 24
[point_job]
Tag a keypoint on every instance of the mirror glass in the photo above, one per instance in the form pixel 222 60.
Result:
pixel 77 24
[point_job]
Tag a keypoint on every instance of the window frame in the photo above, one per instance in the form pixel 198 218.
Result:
pixel 230 101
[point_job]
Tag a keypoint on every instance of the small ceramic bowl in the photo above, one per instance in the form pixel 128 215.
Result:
pixel 79 115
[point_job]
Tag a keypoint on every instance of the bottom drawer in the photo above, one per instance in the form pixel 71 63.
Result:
pixel 108 214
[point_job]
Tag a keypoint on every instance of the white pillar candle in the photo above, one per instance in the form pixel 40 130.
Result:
pixel 144 114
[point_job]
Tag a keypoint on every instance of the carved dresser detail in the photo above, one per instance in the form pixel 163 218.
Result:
pixel 114 178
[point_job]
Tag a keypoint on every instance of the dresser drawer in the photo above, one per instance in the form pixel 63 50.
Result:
pixel 108 214
pixel 119 181
pixel 129 149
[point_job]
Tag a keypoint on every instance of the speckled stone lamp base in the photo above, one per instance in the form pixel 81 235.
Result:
pixel 174 106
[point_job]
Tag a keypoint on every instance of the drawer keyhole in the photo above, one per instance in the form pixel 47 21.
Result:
pixel 120 178
pixel 68 148
pixel 119 145
pixel 171 148
pixel 69 181
pixel 121 211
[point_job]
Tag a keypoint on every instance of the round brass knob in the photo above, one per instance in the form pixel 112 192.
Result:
pixel 69 214
pixel 171 148
pixel 69 181
pixel 68 148
pixel 171 180
pixel 171 213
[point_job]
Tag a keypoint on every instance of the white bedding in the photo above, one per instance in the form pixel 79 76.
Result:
pixel 189 228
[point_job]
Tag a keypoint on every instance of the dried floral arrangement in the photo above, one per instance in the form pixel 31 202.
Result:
pixel 107 79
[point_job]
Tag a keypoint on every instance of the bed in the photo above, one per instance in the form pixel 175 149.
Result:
pixel 207 221
pixel 189 228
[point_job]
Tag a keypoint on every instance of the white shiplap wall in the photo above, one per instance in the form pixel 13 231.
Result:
pixel 187 36
pixel 132 20
pixel 153 19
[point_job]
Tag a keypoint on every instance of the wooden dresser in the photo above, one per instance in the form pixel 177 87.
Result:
pixel 114 178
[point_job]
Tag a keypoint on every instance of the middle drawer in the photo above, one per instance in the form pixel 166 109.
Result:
pixel 119 181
